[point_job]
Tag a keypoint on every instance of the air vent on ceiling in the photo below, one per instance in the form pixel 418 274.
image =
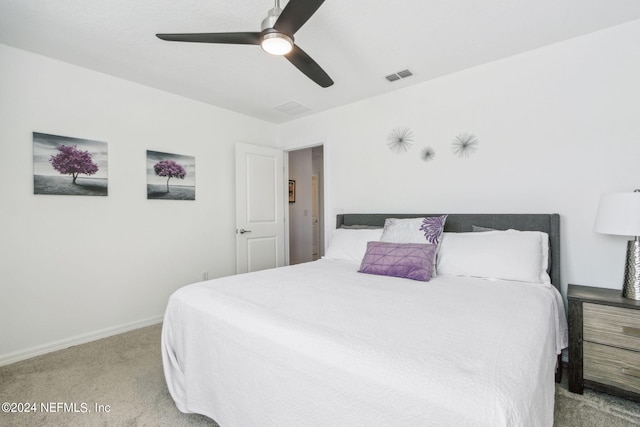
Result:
pixel 399 75
pixel 293 108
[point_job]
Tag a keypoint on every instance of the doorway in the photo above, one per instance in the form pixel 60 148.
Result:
pixel 306 204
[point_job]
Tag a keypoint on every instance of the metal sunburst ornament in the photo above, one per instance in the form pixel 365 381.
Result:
pixel 400 140
pixel 427 154
pixel 465 144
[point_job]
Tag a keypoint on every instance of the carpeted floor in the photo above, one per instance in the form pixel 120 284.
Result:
pixel 118 381
pixel 593 409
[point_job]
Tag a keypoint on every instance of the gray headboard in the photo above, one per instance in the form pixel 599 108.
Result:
pixel 549 223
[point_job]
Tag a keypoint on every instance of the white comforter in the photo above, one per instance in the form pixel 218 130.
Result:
pixel 319 344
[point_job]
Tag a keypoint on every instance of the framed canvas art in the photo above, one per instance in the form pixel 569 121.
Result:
pixel 170 176
pixel 63 165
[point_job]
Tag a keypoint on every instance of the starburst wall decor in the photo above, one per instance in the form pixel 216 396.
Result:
pixel 400 140
pixel 427 154
pixel 465 144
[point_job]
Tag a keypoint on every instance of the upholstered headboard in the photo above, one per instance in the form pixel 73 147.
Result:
pixel 548 223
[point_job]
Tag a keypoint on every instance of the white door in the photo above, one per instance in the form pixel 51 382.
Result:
pixel 259 208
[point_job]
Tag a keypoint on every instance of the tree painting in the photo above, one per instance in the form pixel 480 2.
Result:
pixel 56 158
pixel 161 167
pixel 72 161
pixel 170 169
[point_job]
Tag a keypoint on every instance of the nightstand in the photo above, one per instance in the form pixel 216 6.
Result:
pixel 604 341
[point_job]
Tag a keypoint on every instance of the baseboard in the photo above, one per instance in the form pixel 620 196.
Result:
pixel 6 359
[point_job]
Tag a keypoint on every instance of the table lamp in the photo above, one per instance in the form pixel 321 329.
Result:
pixel 619 214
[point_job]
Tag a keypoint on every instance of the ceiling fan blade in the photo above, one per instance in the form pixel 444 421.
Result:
pixel 295 14
pixel 229 38
pixel 308 66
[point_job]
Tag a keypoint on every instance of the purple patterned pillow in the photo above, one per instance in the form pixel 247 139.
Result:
pixel 408 260
pixel 433 226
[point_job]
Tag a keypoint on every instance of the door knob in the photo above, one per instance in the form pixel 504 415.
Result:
pixel 242 231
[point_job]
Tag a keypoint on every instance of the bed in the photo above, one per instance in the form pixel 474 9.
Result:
pixel 332 342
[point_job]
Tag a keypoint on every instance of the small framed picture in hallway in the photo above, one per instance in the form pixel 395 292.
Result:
pixel 292 191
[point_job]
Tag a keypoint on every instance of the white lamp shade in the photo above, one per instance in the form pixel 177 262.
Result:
pixel 619 213
pixel 276 43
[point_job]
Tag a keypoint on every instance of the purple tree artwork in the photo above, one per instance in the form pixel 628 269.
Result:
pixel 55 157
pixel 170 169
pixel 161 167
pixel 71 161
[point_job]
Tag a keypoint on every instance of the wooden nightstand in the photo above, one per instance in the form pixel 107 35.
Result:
pixel 604 341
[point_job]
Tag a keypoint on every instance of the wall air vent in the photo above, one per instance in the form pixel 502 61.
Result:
pixel 292 108
pixel 399 75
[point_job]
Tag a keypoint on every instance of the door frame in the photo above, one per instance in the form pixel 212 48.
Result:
pixel 285 160
pixel 323 236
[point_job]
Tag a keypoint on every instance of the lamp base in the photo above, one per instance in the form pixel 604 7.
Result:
pixel 631 287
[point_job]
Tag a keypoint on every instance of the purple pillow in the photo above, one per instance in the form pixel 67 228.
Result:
pixel 408 260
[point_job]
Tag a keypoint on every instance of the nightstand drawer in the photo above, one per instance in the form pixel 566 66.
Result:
pixel 611 325
pixel 612 366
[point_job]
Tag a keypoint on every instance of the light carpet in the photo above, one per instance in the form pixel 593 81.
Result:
pixel 118 381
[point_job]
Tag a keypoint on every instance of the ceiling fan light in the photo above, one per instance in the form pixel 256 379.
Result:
pixel 276 43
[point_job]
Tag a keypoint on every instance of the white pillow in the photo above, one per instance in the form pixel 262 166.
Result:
pixel 413 230
pixel 351 244
pixel 509 255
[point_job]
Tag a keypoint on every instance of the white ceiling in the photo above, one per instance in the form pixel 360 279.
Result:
pixel 356 42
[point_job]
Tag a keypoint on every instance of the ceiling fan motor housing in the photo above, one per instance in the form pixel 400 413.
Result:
pixel 271 18
pixel 272 40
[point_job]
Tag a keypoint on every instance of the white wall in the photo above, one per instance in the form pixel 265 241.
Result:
pixel 74 268
pixel 557 127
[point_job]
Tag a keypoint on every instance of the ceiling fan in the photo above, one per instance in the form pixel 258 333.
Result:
pixel 275 38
